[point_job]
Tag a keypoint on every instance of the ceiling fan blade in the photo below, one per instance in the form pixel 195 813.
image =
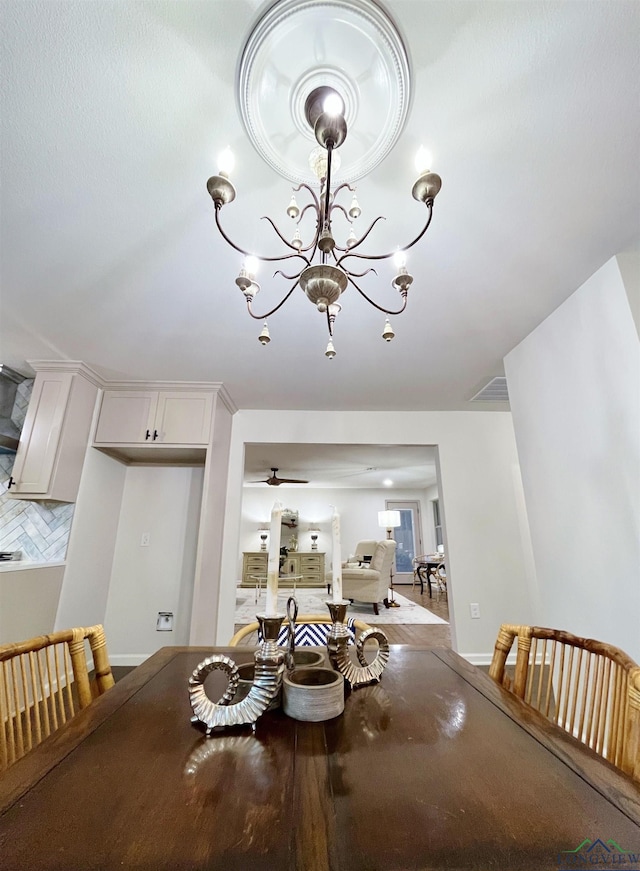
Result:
pixel 274 481
pixel 291 481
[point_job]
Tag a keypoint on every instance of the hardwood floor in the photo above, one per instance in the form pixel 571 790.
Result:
pixel 418 635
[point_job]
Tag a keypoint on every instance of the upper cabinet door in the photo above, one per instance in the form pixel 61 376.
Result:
pixel 127 416
pixel 36 455
pixel 184 418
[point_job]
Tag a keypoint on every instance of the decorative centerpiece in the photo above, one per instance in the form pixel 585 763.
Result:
pixel 310 694
pixel 267 681
pixel 269 661
pixel 338 636
pixel 339 654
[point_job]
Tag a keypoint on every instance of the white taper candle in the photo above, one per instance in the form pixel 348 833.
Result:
pixel 273 568
pixel 336 558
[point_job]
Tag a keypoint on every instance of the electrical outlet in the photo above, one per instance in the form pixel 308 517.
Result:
pixel 164 622
pixel 474 609
pixel 144 541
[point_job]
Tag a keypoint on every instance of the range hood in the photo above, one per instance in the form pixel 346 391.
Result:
pixel 9 432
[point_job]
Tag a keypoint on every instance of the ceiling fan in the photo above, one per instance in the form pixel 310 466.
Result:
pixel 274 481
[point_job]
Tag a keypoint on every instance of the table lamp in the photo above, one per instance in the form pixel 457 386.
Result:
pixel 264 534
pixel 389 520
pixel 314 530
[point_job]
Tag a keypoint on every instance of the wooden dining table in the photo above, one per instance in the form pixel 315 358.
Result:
pixel 436 767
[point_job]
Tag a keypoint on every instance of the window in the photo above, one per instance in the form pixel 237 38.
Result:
pixel 437 522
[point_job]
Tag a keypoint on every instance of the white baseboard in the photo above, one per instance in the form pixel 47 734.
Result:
pixel 484 659
pixel 128 659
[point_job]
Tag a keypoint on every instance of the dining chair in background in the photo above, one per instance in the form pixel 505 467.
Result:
pixel 589 688
pixel 311 630
pixel 44 682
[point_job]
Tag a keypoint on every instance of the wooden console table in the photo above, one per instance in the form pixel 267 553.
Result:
pixel 309 566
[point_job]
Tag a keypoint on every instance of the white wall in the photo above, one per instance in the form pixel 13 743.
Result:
pixel 213 523
pixel 478 466
pixel 574 385
pixel 358 509
pixel 83 601
pixel 629 263
pixel 164 502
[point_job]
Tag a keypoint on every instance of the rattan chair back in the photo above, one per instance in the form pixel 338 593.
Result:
pixel 45 681
pixel 589 688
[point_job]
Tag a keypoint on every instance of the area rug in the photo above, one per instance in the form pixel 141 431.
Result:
pixel 313 602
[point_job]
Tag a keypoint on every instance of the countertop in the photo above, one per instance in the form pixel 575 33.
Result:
pixel 22 564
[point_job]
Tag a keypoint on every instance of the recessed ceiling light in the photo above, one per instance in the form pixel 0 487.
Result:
pixel 388 482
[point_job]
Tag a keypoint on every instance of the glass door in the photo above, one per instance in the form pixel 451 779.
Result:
pixel 408 537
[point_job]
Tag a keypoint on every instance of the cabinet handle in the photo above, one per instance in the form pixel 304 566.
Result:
pixel 148 435
pixel 155 434
pixel 11 483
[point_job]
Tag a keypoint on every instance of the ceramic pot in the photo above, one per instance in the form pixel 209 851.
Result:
pixel 313 694
pixel 305 657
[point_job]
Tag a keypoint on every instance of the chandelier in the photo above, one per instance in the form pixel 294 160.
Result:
pixel 320 266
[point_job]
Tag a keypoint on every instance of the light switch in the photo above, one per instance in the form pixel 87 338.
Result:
pixel 144 541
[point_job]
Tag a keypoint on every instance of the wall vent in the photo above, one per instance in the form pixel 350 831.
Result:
pixel 494 391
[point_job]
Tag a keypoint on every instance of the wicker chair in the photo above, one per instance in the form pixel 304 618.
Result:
pixel 44 682
pixel 320 620
pixel 588 688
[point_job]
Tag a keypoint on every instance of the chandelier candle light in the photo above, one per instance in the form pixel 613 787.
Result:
pixel 273 565
pixel 336 586
pixel 320 266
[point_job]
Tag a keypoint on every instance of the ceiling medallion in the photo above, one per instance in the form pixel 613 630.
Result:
pixel 323 268
pixel 297 46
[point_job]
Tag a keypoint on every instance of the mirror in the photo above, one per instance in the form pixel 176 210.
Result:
pixel 289 529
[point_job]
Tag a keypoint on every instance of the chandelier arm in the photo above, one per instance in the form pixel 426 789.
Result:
pixel 341 208
pixel 361 240
pixel 295 277
pixel 429 205
pixel 288 244
pixel 340 187
pixel 273 310
pixel 306 187
pixel 375 304
pixel 315 206
pixel 361 274
pixel 248 253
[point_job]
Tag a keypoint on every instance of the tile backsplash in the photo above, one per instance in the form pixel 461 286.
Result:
pixel 39 529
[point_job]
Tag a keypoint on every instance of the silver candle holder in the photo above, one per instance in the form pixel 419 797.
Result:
pixel 339 654
pixel 269 668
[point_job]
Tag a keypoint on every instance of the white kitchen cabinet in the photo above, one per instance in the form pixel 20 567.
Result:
pixel 152 417
pixel 54 438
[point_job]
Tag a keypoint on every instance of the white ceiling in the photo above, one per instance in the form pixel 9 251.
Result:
pixel 112 114
pixel 342 466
